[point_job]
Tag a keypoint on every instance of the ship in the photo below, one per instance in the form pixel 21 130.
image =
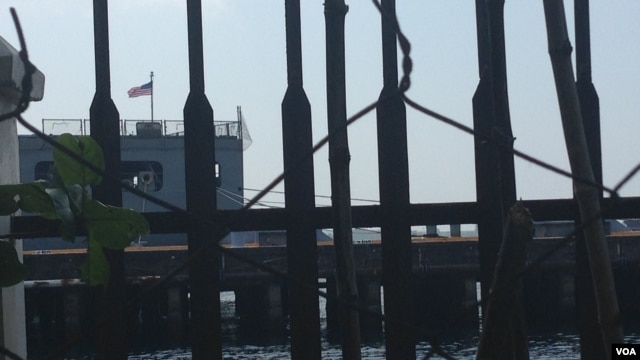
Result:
pixel 152 154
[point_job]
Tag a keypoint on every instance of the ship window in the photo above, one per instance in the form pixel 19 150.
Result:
pixel 45 171
pixel 144 175
pixel 218 177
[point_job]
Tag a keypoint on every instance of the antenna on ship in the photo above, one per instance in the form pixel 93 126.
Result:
pixel 151 76
pixel 239 110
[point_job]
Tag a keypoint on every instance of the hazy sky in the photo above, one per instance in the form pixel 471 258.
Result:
pixel 245 65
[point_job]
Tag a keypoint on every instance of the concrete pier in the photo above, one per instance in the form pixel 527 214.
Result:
pixel 369 291
pixel 151 313
pixel 549 300
pixel 445 301
pixel 444 295
pixel 261 312
pixel 628 289
pixel 177 313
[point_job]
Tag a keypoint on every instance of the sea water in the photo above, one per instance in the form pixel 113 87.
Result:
pixel 548 346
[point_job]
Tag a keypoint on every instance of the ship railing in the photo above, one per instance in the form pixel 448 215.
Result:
pixel 143 128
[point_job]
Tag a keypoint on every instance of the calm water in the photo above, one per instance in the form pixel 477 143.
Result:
pixel 552 346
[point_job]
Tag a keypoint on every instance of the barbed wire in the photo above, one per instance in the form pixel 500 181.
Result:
pixel 222 231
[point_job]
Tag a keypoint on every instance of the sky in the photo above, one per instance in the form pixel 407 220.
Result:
pixel 245 65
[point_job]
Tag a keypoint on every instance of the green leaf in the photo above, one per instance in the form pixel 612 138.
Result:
pixel 12 271
pixel 113 227
pixel 61 204
pixel 95 271
pixel 76 194
pixel 8 204
pixel 72 172
pixel 32 198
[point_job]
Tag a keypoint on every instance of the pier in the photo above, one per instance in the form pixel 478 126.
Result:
pixel 445 274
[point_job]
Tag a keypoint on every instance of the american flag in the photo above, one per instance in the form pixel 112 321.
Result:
pixel 141 90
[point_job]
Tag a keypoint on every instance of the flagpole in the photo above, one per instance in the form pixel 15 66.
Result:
pixel 151 76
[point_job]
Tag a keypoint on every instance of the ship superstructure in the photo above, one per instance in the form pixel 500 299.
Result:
pixel 152 161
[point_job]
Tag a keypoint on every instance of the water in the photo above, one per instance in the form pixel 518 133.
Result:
pixel 549 346
pixel 557 346
pixel 554 346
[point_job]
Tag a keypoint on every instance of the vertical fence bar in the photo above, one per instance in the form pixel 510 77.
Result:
pixel 589 101
pixel 302 256
pixel 486 164
pixel 495 173
pixel 199 152
pixel 591 346
pixel 339 157
pixel 105 129
pixel 502 128
pixel 393 174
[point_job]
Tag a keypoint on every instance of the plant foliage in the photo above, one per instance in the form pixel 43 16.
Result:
pixel 67 199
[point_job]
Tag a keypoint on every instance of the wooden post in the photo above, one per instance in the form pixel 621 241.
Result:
pixel 586 193
pixel 503 331
pixel 302 253
pixel 339 157
pixel 13 336
pixel 393 175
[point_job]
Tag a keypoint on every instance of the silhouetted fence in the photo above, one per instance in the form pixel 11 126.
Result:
pixel 205 225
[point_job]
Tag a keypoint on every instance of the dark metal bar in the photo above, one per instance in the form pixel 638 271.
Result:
pixel 482 35
pixel 105 129
pixel 199 152
pixel 591 346
pixel 589 101
pixel 502 121
pixel 393 174
pixel 302 257
pixel 363 216
pixel 339 157
pixel 495 173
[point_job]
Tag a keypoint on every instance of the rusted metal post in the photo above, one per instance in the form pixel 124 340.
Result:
pixel 503 331
pixel 393 174
pixel 495 174
pixel 200 182
pixel 586 194
pixel 339 157
pixel 105 129
pixel 591 348
pixel 302 255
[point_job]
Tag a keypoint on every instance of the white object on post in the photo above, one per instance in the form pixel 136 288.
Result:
pixel 12 317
